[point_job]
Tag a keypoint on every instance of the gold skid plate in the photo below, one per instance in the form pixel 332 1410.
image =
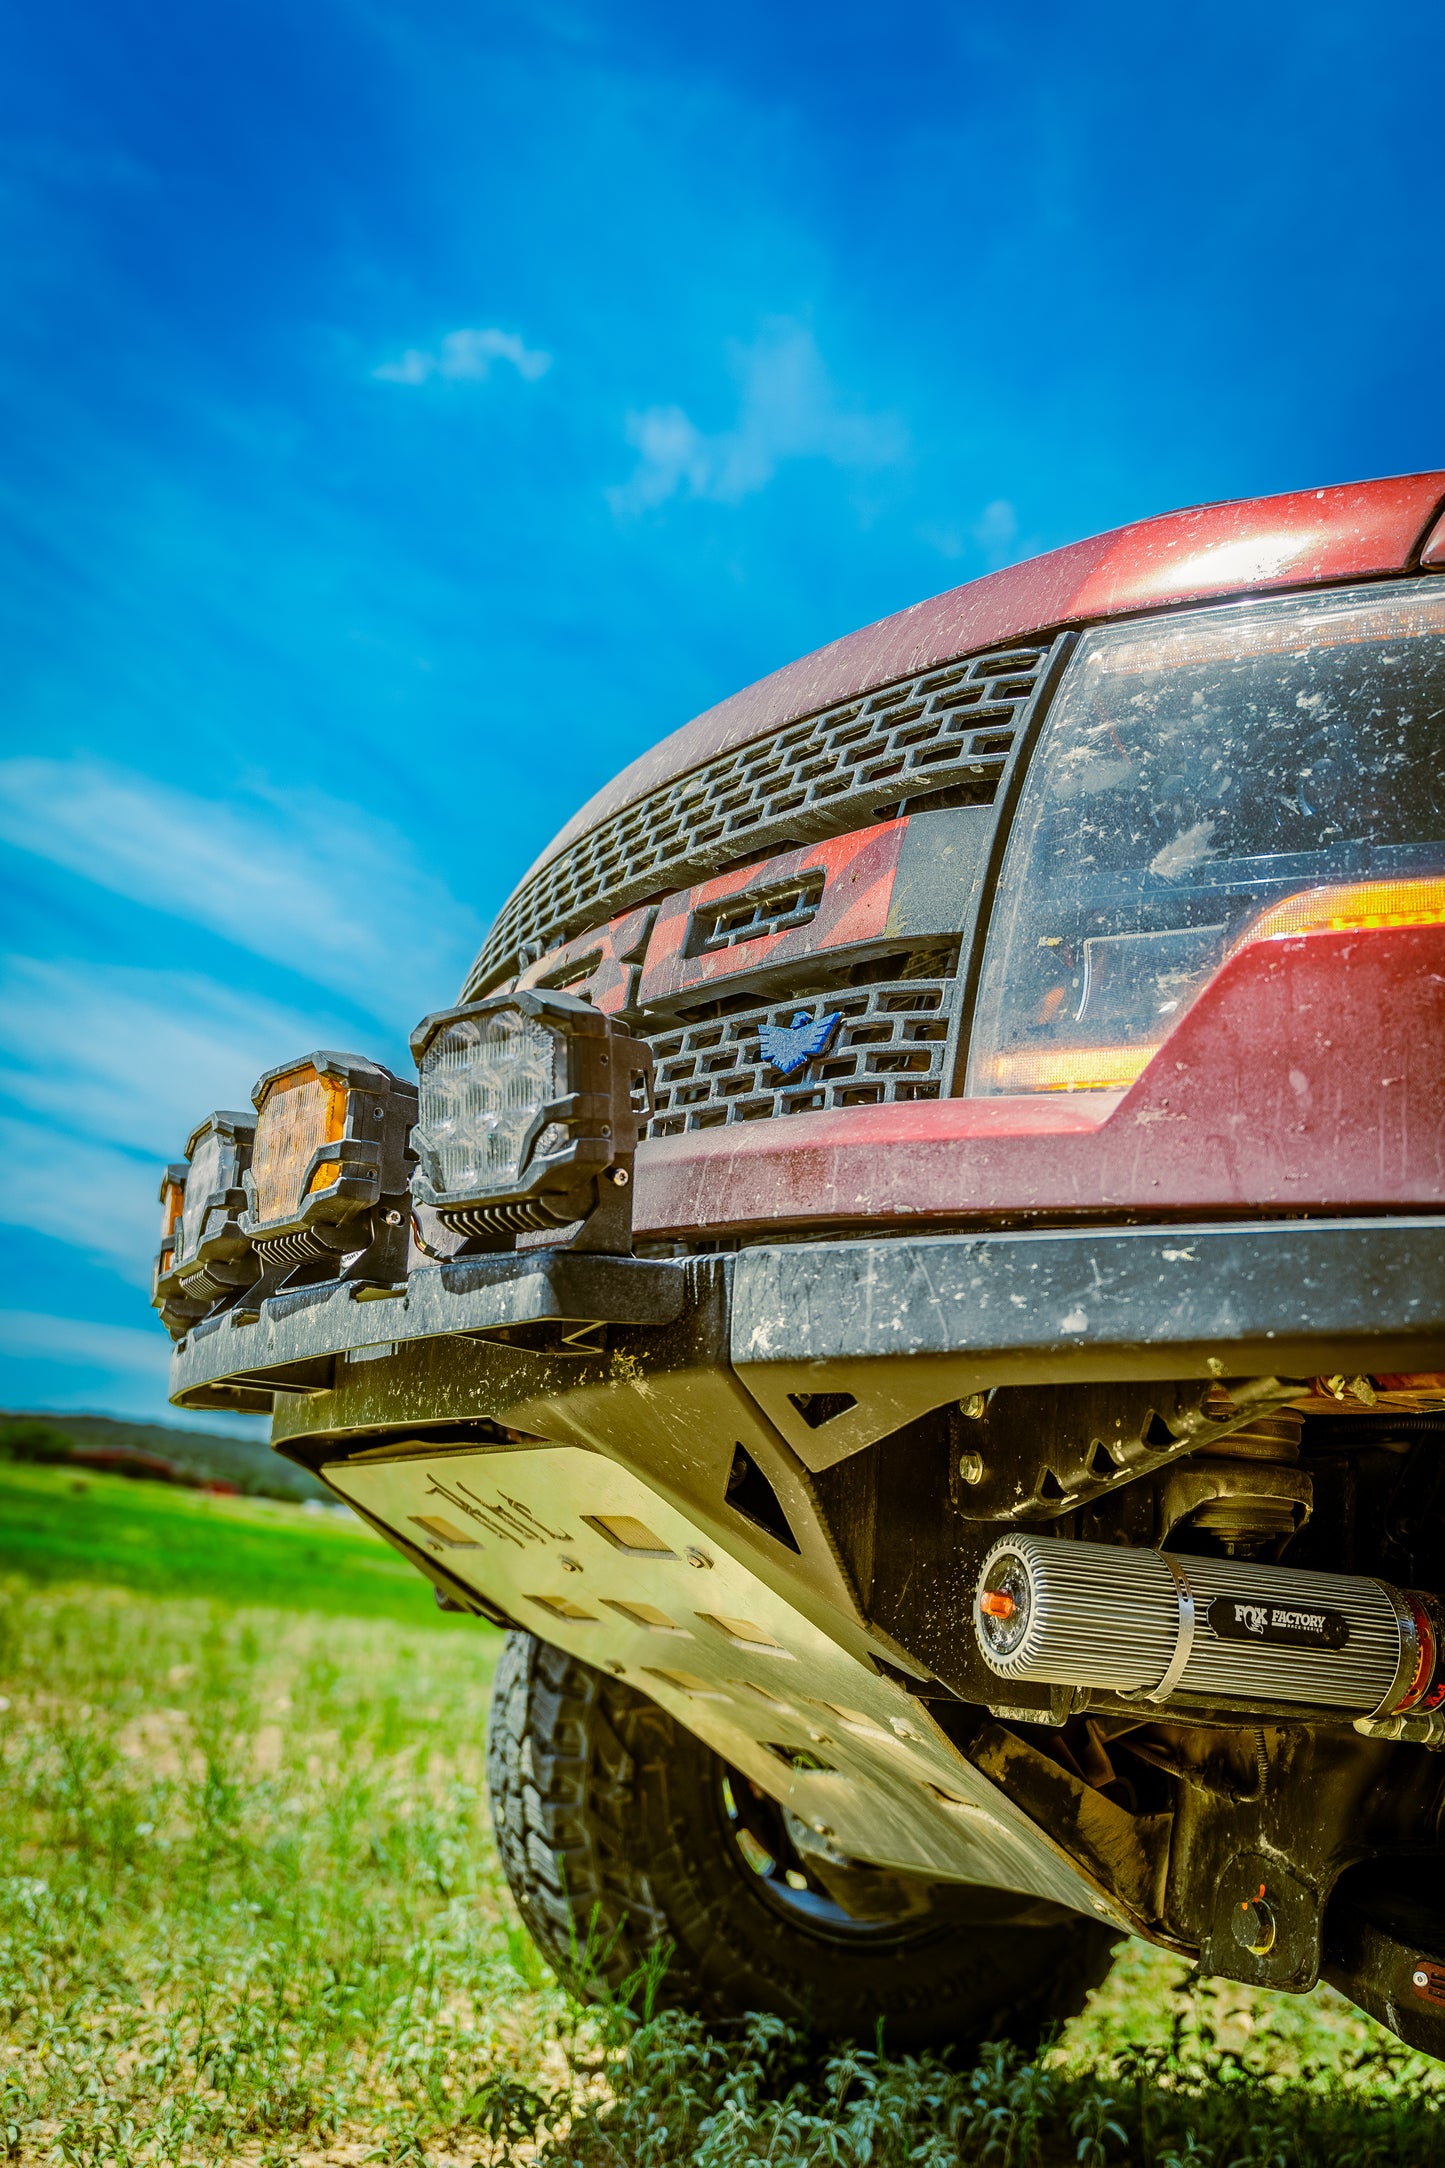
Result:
pixel 582 1552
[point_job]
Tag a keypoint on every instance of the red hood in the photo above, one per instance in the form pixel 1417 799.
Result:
pixel 1357 531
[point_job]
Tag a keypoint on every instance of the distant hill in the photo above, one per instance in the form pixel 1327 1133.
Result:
pixel 246 1462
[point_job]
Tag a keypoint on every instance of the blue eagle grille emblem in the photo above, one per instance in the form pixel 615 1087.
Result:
pixel 790 1047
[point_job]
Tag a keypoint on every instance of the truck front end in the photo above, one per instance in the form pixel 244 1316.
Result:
pixel 910 1281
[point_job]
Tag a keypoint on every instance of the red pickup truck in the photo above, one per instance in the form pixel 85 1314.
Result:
pixel 912 1282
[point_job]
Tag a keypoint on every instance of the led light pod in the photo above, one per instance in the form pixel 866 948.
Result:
pixel 166 1297
pixel 172 1202
pixel 204 1255
pixel 527 1117
pixel 329 1167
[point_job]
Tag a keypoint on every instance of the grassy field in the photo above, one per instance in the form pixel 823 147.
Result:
pixel 250 1912
pixel 58 1526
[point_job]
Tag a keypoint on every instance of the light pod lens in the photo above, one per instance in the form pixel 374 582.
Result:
pixel 211 1250
pixel 484 1084
pixel 301 1113
pixel 165 1286
pixel 525 1105
pixel 331 1153
pixel 173 1199
pixel 204 1254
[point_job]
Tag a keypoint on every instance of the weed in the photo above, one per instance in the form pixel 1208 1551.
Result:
pixel 250 1911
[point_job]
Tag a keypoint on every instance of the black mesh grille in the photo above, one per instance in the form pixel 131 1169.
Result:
pixel 895 1041
pixel 943 737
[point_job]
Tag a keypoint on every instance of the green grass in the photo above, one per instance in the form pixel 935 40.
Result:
pixel 60 1526
pixel 250 1911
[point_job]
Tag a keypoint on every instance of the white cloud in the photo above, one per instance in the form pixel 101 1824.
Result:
pixel 95 1198
pixel 787 410
pixel 302 879
pixel 138 1057
pixel 33 1335
pixel 466 355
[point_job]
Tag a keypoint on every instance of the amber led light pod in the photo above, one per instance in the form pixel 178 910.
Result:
pixel 166 1296
pixel 330 1152
pixel 172 1201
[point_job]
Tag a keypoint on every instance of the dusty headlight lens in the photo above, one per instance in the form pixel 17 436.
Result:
pixel 526 1107
pixel 1197 771
pixel 329 1167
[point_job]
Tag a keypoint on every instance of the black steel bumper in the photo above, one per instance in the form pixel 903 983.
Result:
pixel 897 1325
pixel 741 1387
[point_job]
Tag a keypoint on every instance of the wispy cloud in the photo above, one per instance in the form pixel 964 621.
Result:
pixel 299 878
pixel 787 410
pixel 466 355
pixel 99 1200
pixel 138 1057
pixel 32 1335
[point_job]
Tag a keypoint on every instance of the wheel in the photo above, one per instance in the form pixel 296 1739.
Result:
pixel 622 1834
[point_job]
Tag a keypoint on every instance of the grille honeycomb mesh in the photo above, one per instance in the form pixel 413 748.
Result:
pixel 894 1042
pixel 944 731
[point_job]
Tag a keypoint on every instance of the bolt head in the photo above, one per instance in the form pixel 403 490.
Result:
pixel 974 1406
pixel 699 1559
pixel 970 1467
pixel 570 1565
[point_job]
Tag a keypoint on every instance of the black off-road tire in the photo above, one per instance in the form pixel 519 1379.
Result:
pixel 613 1834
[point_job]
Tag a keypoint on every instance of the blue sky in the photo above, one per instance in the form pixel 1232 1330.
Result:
pixel 411 413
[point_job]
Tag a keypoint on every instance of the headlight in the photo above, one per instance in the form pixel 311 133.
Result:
pixel 1204 781
pixel 328 1172
pixel 204 1254
pixel 527 1118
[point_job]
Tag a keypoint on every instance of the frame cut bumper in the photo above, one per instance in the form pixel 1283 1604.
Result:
pixel 899 1326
